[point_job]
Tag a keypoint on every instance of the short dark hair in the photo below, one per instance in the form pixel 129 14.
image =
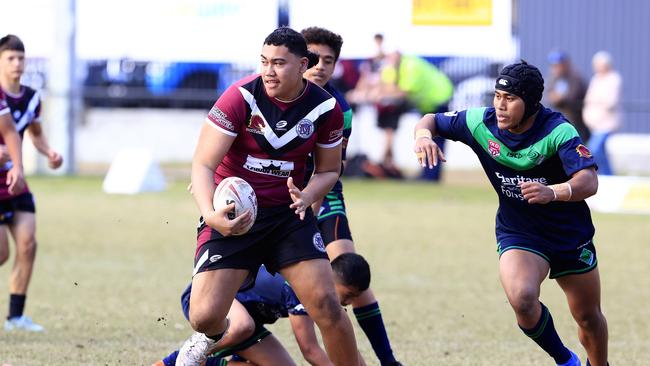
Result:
pixel 353 270
pixel 317 35
pixel 294 41
pixel 11 42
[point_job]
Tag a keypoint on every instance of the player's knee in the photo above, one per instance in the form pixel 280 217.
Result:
pixel 202 320
pixel 524 300
pixel 325 308
pixel 589 318
pixel 242 329
pixel 27 249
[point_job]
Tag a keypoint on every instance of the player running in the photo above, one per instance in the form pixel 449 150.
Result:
pixel 331 215
pixel 262 129
pixel 270 299
pixel 542 174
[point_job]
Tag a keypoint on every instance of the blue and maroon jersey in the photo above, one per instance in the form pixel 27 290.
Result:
pixel 25 108
pixel 550 152
pixel 273 138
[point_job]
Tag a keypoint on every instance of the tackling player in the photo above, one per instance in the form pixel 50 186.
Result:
pixel 270 299
pixel 331 215
pixel 262 129
pixel 542 174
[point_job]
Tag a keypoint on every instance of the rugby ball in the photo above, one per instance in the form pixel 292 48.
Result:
pixel 238 191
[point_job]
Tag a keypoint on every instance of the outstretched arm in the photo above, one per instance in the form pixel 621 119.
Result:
pixel 426 150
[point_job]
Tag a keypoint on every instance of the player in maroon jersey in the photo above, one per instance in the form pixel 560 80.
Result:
pixel 18 211
pixel 262 129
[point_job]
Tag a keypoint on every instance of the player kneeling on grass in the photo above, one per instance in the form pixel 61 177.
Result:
pixel 542 174
pixel 272 298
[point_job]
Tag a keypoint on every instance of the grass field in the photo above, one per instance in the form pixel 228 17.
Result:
pixel 110 270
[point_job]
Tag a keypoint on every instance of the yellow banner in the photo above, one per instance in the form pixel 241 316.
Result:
pixel 452 12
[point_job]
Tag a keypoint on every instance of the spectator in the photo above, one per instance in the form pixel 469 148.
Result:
pixel 566 91
pixel 602 110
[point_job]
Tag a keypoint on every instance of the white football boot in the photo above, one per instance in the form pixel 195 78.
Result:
pixel 22 323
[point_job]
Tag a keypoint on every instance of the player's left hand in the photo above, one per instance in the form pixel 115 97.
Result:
pixel 428 152
pixel 301 201
pixel 535 192
pixel 15 180
pixel 54 159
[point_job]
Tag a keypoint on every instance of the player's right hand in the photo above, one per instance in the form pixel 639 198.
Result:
pixel 219 221
pixel 428 152
pixel 15 180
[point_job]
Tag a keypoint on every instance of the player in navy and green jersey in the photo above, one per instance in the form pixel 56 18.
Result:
pixel 542 174
pixel 331 217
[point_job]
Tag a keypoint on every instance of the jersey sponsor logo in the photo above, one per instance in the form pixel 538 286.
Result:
pixel 535 157
pixel 318 242
pixel 494 148
pixel 256 124
pixel 217 116
pixel 281 126
pixel 515 154
pixel 336 134
pixel 583 151
pixel 215 258
pixel 510 185
pixel 305 128
pixel 276 168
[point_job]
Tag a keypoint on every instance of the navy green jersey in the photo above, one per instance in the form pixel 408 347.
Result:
pixel 268 300
pixel 550 152
pixel 347 131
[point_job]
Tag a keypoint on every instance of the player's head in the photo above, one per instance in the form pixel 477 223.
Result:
pixel 327 45
pixel 351 276
pixel 518 91
pixel 12 56
pixel 284 59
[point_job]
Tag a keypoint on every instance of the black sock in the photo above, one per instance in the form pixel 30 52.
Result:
pixel 16 305
pixel 589 364
pixel 216 337
pixel 546 337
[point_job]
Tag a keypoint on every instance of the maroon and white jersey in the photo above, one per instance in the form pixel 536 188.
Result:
pixel 25 108
pixel 4 193
pixel 273 138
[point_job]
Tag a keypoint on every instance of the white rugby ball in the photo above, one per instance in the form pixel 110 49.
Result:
pixel 237 190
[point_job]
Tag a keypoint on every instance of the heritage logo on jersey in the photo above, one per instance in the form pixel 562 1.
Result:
pixel 305 128
pixel 510 185
pixel 583 151
pixel 318 242
pixel 217 116
pixel 494 148
pixel 256 124
pixel 276 168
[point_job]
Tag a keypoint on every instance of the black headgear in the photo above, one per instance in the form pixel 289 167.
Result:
pixel 524 81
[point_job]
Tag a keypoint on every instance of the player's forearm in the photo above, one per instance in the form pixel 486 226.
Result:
pixel 14 147
pixel 582 185
pixel 41 144
pixel 426 123
pixel 320 184
pixel 203 187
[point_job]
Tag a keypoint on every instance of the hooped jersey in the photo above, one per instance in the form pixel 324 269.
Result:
pixel 550 152
pixel 273 138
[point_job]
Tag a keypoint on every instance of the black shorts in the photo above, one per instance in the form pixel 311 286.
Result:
pixel 582 259
pixel 332 221
pixel 277 239
pixel 23 202
pixel 388 115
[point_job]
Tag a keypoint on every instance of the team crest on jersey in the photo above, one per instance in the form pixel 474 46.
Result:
pixel 256 124
pixel 583 151
pixel 494 148
pixel 318 242
pixel 305 128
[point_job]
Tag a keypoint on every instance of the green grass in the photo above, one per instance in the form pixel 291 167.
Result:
pixel 110 270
